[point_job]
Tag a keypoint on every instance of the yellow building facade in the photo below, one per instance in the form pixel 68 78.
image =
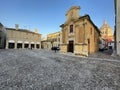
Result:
pixel 22 38
pixel 54 40
pixel 106 32
pixel 44 43
pixel 79 34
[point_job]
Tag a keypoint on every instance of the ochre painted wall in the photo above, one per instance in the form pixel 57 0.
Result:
pixel 85 35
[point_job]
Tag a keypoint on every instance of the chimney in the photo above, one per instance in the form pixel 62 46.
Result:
pixel 16 26
pixel 35 31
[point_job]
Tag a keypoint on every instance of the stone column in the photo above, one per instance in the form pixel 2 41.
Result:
pixel 23 45
pixel 40 46
pixel 35 45
pixel 15 45
pixel 29 45
pixel 6 44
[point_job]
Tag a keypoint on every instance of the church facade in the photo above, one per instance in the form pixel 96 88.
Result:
pixel 106 32
pixel 79 34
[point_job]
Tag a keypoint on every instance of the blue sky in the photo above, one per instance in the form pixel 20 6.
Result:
pixel 48 15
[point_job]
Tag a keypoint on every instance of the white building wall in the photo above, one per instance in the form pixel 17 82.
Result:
pixel 118 26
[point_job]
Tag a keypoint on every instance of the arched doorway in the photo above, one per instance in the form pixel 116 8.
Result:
pixel 71 46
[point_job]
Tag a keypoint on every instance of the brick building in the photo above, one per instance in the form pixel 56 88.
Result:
pixel 22 38
pixel 54 39
pixel 79 33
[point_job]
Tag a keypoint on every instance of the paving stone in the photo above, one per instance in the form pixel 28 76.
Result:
pixel 47 70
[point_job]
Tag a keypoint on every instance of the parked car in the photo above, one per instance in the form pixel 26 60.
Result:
pixel 101 45
pixel 111 45
pixel 55 48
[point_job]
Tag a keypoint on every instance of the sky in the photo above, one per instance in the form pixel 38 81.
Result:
pixel 48 15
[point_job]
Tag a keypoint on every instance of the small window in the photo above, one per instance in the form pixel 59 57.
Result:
pixel 91 31
pixel 71 28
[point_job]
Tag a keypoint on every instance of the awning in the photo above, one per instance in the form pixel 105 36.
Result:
pixel 19 41
pixel 38 43
pixel 32 43
pixel 26 42
pixel 11 41
pixel 70 39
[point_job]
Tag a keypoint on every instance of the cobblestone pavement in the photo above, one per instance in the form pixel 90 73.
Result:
pixel 107 54
pixel 47 70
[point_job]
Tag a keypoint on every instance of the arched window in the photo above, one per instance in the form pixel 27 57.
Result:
pixel 71 28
